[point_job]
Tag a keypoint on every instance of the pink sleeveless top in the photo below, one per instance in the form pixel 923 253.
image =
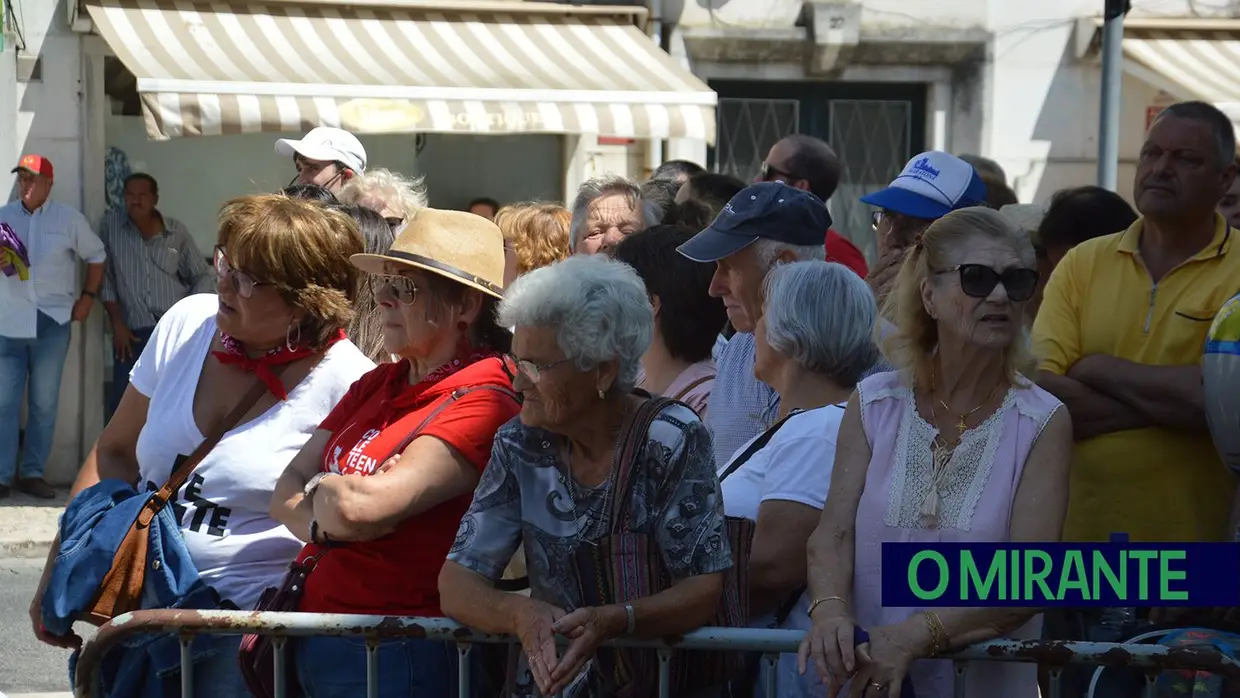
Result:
pixel 975 504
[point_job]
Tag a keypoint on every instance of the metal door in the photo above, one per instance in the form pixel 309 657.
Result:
pixel 748 128
pixel 873 140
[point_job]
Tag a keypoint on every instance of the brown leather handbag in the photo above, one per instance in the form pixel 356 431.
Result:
pixel 121 590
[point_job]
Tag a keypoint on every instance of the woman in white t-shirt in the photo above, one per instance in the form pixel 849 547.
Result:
pixel 814 342
pixel 285 288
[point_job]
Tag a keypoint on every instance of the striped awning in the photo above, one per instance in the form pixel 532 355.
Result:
pixel 221 67
pixel 1197 59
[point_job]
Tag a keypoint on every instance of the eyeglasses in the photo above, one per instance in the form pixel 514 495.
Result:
pixel 876 218
pixel 978 280
pixel 769 172
pixel 400 288
pixel 394 223
pixel 530 369
pixel 242 283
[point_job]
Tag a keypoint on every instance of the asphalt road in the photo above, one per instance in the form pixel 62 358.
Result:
pixel 26 665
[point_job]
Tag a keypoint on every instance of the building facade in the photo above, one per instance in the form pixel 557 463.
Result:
pixel 523 100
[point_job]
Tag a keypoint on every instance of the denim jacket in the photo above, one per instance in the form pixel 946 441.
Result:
pixel 91 531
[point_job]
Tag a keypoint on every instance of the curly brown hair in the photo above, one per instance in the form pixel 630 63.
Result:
pixel 538 233
pixel 302 249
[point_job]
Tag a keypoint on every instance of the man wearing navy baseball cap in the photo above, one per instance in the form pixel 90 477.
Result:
pixel 932 185
pixel 765 224
pixel 765 211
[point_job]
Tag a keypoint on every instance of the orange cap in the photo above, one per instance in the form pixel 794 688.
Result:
pixel 35 164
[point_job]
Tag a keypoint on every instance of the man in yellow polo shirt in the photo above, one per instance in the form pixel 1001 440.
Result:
pixel 1121 331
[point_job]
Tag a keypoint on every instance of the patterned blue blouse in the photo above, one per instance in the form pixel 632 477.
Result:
pixel 525 496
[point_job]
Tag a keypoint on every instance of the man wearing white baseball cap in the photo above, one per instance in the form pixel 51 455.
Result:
pixel 327 157
pixel 932 184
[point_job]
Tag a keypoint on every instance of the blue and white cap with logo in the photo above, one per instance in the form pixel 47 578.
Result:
pixel 932 185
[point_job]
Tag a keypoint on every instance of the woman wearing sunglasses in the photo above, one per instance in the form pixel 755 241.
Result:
pixel 379 490
pixel 957 446
pixel 285 289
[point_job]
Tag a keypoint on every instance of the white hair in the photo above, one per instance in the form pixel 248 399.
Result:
pixel 597 306
pixel 769 250
pixel 593 189
pixel 402 194
pixel 821 315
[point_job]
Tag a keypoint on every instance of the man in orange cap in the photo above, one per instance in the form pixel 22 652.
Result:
pixel 34 327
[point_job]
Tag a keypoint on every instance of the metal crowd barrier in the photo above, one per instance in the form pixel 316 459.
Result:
pixel 1151 659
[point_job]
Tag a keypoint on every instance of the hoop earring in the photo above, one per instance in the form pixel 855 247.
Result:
pixel 290 343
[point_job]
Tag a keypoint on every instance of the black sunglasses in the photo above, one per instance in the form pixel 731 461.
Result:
pixel 767 172
pixel 978 280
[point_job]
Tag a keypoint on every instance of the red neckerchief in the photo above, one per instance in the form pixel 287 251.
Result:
pixel 401 399
pixel 234 355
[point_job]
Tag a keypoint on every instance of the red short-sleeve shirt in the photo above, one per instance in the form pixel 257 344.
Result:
pixel 398 574
pixel 841 250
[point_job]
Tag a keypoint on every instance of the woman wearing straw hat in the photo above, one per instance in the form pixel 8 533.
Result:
pixel 379 490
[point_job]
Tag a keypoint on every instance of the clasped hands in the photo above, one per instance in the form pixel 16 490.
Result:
pixel 874 668
pixel 536 624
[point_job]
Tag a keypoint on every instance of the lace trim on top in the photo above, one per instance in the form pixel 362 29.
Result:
pixel 913 467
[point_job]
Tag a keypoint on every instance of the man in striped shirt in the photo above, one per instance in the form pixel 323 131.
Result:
pixel 154 264
pixel 34 325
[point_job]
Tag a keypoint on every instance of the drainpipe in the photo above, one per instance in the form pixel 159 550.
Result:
pixel 1112 80
pixel 656 147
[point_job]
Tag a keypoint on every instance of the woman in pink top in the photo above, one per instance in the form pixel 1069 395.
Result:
pixel 959 446
pixel 687 320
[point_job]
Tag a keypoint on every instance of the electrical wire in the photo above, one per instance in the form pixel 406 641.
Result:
pixel 14 21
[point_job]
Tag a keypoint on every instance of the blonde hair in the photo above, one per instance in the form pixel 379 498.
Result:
pixel 300 247
pixel 912 346
pixel 538 233
pixel 404 195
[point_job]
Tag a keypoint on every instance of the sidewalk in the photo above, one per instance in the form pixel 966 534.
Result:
pixel 28 525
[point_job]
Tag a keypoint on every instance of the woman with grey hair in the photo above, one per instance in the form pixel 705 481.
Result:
pixel 608 209
pixel 814 342
pixel 584 448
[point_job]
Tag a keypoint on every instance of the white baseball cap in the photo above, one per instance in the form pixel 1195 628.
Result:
pixel 933 184
pixel 326 144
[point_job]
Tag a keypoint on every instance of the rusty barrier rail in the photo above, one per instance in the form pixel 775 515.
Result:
pixel 1150 659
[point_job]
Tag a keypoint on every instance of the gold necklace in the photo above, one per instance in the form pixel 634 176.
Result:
pixel 941 452
pixel 962 425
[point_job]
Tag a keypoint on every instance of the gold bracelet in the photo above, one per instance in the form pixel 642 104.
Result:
pixel 938 634
pixel 818 602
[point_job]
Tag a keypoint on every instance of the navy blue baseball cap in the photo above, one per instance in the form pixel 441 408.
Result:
pixel 766 210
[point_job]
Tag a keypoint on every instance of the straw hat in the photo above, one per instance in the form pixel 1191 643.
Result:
pixel 460 246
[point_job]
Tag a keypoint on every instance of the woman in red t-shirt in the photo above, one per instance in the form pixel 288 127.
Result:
pixel 381 486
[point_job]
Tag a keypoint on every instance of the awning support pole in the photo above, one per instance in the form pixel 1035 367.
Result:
pixel 1112 82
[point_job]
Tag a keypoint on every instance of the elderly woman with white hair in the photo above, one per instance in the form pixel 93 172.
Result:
pixel 587 454
pixel 814 343
pixel 958 446
pixel 391 195
pixel 608 209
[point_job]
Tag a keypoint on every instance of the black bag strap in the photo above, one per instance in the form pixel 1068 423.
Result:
pixel 756 445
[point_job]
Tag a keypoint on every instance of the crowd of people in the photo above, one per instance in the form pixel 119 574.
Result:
pixel 680 402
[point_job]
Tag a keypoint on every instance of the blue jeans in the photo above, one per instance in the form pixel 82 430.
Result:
pixel 335 667
pixel 221 674
pixel 121 369
pixel 32 367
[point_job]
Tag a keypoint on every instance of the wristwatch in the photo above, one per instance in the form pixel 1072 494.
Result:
pixel 313 484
